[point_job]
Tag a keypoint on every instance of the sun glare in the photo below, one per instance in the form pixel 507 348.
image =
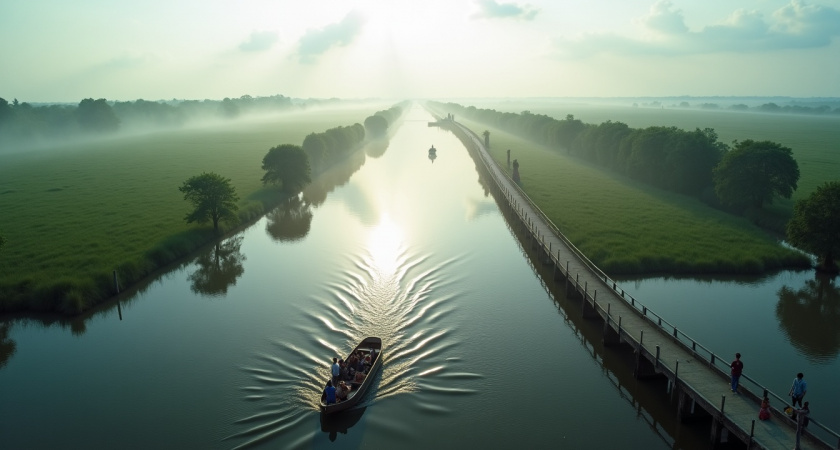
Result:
pixel 384 244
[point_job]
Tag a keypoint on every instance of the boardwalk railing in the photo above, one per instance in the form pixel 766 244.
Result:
pixel 758 391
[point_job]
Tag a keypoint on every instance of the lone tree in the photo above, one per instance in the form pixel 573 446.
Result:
pixel 288 166
pixel 753 172
pixel 213 197
pixel 815 225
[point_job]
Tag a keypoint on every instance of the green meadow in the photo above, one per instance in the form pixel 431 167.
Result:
pixel 72 214
pixel 626 227
pixel 815 140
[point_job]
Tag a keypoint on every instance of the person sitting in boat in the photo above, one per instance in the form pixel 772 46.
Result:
pixel 330 391
pixel 360 376
pixel 368 361
pixel 373 355
pixel 342 391
pixel 343 373
pixel 360 365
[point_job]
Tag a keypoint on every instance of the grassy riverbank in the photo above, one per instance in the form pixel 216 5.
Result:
pixel 627 227
pixel 72 215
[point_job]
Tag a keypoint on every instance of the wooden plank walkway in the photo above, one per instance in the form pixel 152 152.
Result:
pixel 698 375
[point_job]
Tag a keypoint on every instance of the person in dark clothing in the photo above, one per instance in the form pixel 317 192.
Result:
pixel 737 366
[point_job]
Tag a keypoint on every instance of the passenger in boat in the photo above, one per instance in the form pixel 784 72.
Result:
pixel 342 391
pixel 764 412
pixel 330 391
pixel 335 370
pixel 373 355
pixel 368 362
pixel 360 365
pixel 351 361
pixel 343 374
pixel 360 376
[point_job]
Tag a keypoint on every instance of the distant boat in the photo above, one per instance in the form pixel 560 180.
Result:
pixel 369 346
pixel 433 150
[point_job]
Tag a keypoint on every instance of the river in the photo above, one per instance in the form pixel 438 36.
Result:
pixel 231 349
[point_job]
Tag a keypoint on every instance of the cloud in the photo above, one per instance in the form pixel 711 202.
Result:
pixel 490 9
pixel 796 25
pixel 663 19
pixel 259 41
pixel 317 42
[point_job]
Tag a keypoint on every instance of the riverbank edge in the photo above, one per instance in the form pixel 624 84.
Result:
pixel 131 276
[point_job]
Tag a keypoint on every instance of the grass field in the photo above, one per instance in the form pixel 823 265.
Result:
pixel 815 140
pixel 72 215
pixel 627 227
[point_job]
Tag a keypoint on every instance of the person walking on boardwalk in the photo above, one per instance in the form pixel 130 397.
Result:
pixel 802 420
pixel 737 366
pixel 798 390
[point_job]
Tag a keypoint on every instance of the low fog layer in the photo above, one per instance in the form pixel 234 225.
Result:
pixel 27 127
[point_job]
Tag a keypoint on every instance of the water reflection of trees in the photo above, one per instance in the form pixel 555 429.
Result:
pixel 7 346
pixel 218 268
pixel 315 193
pixel 810 317
pixel 376 148
pixel 290 221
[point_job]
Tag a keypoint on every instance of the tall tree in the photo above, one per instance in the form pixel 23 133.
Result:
pixel 815 225
pixel 288 166
pixel 752 173
pixel 97 115
pixel 213 197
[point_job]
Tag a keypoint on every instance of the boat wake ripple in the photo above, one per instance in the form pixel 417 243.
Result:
pixel 405 306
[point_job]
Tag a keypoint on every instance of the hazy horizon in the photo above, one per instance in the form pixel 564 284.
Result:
pixel 64 51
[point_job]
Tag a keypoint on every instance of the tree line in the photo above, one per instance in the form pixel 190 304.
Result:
pixel 26 122
pixel 287 166
pixel 749 174
pixel 693 163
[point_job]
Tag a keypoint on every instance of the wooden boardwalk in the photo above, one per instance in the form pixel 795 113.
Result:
pixel 699 377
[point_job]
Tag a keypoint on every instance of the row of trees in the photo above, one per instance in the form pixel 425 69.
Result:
pixel 323 148
pixel 688 162
pixel 749 174
pixel 377 125
pixel 288 166
pixel 24 121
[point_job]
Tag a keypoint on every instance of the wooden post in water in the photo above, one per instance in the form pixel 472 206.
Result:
pixel 567 277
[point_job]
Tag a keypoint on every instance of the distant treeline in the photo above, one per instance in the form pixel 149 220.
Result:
pixel 666 157
pixel 24 122
pixel 771 107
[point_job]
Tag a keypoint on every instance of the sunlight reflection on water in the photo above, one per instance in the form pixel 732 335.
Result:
pixel 387 293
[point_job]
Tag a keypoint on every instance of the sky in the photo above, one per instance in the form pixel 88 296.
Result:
pixel 67 50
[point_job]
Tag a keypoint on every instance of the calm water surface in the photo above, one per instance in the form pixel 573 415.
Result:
pixel 231 349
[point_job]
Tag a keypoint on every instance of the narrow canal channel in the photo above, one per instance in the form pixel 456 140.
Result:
pixel 231 349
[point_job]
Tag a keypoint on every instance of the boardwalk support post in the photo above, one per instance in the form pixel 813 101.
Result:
pixel 657 357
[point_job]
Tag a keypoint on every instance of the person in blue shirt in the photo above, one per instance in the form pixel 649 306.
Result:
pixel 798 390
pixel 330 390
pixel 336 371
